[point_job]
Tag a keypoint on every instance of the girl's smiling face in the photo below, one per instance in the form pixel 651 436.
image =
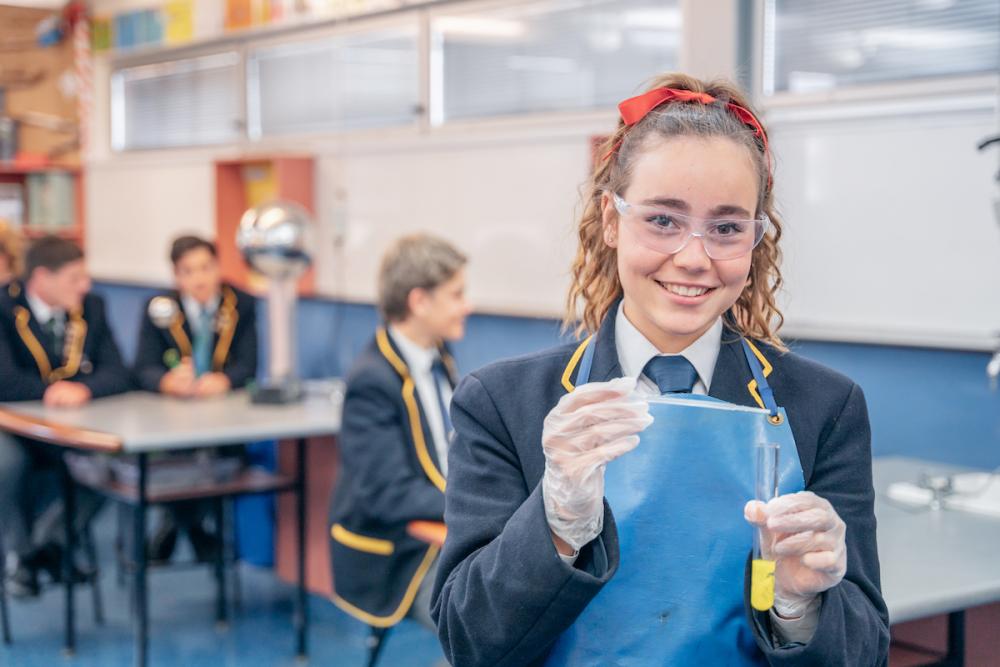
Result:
pixel 674 299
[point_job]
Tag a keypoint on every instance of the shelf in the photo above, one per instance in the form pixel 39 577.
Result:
pixel 72 233
pixel 13 169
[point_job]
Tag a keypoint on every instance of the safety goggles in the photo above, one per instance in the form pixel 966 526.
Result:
pixel 669 232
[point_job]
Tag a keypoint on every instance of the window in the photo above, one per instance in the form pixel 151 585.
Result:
pixel 548 56
pixel 190 102
pixel 812 45
pixel 337 83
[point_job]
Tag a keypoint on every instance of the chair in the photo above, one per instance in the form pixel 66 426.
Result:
pixel 93 578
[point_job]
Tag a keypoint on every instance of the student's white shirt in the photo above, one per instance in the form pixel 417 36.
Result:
pixel 419 360
pixel 193 310
pixel 43 312
pixel 634 352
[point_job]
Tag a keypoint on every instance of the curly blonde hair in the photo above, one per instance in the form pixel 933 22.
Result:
pixel 595 282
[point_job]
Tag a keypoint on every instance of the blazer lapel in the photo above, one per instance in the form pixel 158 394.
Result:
pixel 606 365
pixel 425 428
pixel 731 375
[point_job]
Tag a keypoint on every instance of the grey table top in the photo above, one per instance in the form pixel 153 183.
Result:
pixel 144 422
pixel 933 562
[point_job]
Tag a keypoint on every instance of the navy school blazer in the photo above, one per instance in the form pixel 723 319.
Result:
pixel 29 364
pixel 389 475
pixel 503 595
pixel 234 348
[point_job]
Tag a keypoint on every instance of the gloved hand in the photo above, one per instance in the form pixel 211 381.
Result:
pixel 805 537
pixel 590 426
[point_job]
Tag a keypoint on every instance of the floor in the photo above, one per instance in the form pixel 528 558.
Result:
pixel 183 629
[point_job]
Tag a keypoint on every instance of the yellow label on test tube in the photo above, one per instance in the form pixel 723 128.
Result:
pixel 762 584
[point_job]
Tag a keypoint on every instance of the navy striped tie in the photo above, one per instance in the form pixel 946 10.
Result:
pixel 673 374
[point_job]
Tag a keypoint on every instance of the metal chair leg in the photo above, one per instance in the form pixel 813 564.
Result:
pixel 376 640
pixel 4 613
pixel 220 564
pixel 231 539
pixel 90 552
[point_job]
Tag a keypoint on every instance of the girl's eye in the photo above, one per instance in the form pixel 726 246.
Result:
pixel 729 228
pixel 663 221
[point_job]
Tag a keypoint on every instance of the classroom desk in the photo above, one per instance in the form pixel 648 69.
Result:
pixel 142 424
pixel 933 562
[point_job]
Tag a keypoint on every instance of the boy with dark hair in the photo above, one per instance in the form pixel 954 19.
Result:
pixel 197 341
pixel 55 346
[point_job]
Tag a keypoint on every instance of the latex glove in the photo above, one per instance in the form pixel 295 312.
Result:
pixel 805 537
pixel 590 426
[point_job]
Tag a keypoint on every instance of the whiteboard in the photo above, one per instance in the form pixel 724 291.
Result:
pixel 890 231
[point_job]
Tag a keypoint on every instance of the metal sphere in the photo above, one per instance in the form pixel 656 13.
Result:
pixel 162 311
pixel 275 239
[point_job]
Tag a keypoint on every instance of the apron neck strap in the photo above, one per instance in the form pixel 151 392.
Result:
pixel 764 389
pixel 586 361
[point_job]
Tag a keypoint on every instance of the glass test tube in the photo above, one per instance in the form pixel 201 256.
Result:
pixel 765 488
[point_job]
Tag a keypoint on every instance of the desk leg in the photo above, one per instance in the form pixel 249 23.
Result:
pixel 140 601
pixel 301 608
pixel 956 640
pixel 69 518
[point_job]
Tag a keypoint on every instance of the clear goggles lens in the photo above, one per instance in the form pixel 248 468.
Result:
pixel 668 232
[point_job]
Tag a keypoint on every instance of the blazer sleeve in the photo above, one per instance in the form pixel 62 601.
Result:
pixel 110 375
pixel 241 365
pixel 853 624
pixel 149 367
pixel 503 595
pixel 19 383
pixel 373 449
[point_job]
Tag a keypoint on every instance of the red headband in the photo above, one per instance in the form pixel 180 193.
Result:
pixel 636 108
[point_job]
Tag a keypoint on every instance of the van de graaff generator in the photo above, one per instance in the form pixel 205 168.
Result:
pixel 765 488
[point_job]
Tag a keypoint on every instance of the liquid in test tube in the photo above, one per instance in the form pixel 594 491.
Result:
pixel 765 488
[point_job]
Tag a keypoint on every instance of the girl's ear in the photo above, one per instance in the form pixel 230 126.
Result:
pixel 609 221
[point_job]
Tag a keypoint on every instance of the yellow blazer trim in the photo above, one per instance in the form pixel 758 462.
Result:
pixel 76 330
pixel 767 368
pixel 571 366
pixel 404 606
pixel 76 334
pixel 21 318
pixel 370 545
pixel 412 409
pixel 228 317
pixel 180 336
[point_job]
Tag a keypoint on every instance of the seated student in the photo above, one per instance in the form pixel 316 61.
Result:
pixel 55 346
pixel 10 252
pixel 395 434
pixel 208 347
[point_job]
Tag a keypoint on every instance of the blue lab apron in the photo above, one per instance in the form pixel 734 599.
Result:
pixel 677 499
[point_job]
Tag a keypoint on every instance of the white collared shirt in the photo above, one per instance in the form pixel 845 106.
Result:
pixel 420 360
pixel 635 351
pixel 193 310
pixel 43 312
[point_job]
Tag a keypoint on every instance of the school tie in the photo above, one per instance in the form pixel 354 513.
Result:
pixel 202 346
pixel 673 375
pixel 54 330
pixel 440 374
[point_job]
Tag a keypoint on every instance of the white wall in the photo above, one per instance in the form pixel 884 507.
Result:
pixel 889 230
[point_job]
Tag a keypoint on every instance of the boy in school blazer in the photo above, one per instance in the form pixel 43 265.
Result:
pixel 395 435
pixel 195 342
pixel 55 346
